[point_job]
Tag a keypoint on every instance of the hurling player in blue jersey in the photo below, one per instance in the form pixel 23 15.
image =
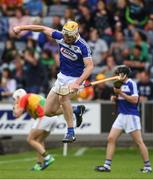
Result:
pixel 75 66
pixel 128 120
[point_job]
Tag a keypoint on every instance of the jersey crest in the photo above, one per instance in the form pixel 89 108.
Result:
pixel 68 54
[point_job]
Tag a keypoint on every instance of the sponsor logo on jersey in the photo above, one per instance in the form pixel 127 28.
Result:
pixel 68 54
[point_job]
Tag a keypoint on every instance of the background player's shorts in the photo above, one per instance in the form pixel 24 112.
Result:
pixel 128 123
pixel 62 80
pixel 45 123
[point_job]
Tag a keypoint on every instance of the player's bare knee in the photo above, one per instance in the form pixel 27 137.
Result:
pixel 140 143
pixel 49 112
pixel 111 139
pixel 30 139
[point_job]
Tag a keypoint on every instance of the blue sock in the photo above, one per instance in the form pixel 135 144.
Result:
pixel 70 130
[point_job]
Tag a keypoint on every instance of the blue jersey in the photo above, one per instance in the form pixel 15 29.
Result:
pixel 72 56
pixel 125 107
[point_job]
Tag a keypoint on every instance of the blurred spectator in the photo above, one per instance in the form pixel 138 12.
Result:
pixel 38 36
pixel 98 47
pixel 136 13
pixel 8 84
pixel 103 19
pixel 141 40
pixel 135 61
pixel 83 32
pixel 86 94
pixel 56 23
pixel 9 6
pixel 34 7
pixel 129 32
pixel 68 15
pixel 18 72
pixel 118 46
pixel 57 9
pixel 47 58
pixel 9 52
pixel 119 14
pixel 92 5
pixel 85 17
pixel 108 69
pixel 102 91
pixel 4 26
pixel 148 5
pixel 145 86
pixel 32 45
pixel 34 73
pixel 19 20
pixel 149 32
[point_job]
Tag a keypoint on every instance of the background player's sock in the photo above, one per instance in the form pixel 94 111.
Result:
pixel 108 163
pixel 45 155
pixel 38 162
pixel 147 164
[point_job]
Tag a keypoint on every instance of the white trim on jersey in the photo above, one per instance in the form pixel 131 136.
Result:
pixel 87 46
pixel 135 89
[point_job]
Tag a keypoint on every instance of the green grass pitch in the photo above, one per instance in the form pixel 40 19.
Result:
pixel 126 164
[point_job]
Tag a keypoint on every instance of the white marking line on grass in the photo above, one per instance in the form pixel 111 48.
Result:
pixel 80 152
pixel 20 160
pixel 17 160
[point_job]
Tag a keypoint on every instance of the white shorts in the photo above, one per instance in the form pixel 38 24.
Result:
pixel 45 123
pixel 62 80
pixel 128 123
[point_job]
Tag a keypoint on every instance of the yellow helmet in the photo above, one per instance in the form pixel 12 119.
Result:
pixel 71 28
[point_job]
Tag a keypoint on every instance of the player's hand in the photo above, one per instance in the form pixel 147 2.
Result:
pixel 17 30
pixel 117 91
pixel 74 87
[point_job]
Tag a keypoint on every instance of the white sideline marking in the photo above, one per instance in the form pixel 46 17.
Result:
pixel 20 160
pixel 80 152
pixel 17 160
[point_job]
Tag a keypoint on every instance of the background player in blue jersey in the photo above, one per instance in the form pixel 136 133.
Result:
pixel 128 120
pixel 75 66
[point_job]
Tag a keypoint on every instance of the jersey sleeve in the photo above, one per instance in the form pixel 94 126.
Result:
pixel 86 52
pixel 134 89
pixel 57 35
pixel 23 102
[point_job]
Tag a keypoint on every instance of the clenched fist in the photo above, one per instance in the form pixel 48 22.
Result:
pixel 17 30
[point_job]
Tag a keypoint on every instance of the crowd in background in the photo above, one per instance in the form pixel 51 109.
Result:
pixel 117 31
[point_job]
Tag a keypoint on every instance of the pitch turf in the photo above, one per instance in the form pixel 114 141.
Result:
pixel 126 164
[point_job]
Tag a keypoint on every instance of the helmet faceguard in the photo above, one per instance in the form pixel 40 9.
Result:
pixel 70 31
pixel 18 94
pixel 122 70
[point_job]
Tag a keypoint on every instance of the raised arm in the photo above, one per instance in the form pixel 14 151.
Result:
pixel 37 28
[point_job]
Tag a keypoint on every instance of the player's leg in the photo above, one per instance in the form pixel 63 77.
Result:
pixel 137 137
pixel 52 105
pixel 68 115
pixel 53 101
pixel 39 161
pixel 44 125
pixel 32 140
pixel 111 145
pixel 47 159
